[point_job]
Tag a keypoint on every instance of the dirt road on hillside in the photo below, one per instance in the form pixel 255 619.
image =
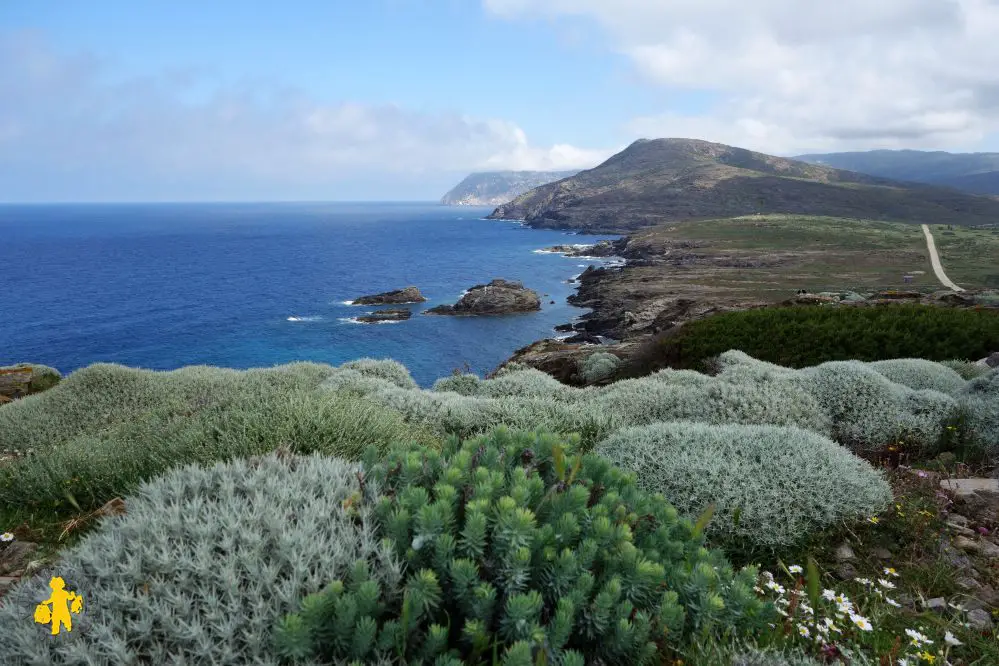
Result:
pixel 935 261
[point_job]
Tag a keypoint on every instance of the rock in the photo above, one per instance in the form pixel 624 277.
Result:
pixel 399 314
pixel 966 544
pixel 958 529
pixel 970 486
pixel 957 519
pixel 7 582
pixel 968 583
pixel 846 571
pixel 954 557
pixel 583 338
pixel 882 553
pixel 989 549
pixel 14 556
pixel 907 601
pixel 565 328
pixel 896 295
pixel 496 298
pixel 986 548
pixel 844 553
pixel 980 620
pixel 992 360
pixel 938 604
pixel 397 297
pixel 17 381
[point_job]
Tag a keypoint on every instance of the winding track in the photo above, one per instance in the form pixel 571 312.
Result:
pixel 935 260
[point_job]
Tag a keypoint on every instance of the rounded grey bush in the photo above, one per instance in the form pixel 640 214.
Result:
pixel 918 374
pixel 386 369
pixel 201 566
pixel 599 366
pixel 466 384
pixel 771 486
pixel 980 407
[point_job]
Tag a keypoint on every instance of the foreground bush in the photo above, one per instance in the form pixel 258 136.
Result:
pixel 106 428
pixel 869 411
pixel 809 335
pixel 770 486
pixel 201 566
pixel 980 409
pixel 918 375
pixel 517 549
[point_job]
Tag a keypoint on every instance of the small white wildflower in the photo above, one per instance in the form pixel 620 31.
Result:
pixel 886 584
pixel 828 595
pixel 758 589
pixel 918 639
pixel 803 630
pixel 795 569
pixel 863 581
pixel 951 639
pixel 903 662
pixel 862 622
pixel 893 603
pixel 891 572
pixel 6 537
pixel 776 587
pixel 781 611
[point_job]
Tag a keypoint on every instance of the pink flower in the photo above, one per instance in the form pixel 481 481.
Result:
pixel 983 531
pixel 921 474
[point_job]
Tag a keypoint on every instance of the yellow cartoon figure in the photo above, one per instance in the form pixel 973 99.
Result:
pixel 57 607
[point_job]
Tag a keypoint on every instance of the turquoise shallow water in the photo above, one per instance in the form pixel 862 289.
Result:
pixel 165 285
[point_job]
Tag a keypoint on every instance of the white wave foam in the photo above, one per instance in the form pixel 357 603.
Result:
pixel 346 302
pixel 316 318
pixel 355 320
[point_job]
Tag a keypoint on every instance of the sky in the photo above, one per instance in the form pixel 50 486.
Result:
pixel 328 100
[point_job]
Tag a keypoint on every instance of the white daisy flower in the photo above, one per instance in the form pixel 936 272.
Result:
pixel 795 569
pixel 918 639
pixel 803 630
pixel 861 622
pixel 6 537
pixel 891 572
pixel 776 587
pixel 863 581
pixel 892 603
pixel 886 584
pixel 828 595
pixel 950 639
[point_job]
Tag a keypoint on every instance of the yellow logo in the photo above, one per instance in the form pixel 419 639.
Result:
pixel 57 607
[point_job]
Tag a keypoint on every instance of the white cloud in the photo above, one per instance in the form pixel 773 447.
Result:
pixel 795 75
pixel 64 122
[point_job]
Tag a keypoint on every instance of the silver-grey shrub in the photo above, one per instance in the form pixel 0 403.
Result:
pixel 980 408
pixel 387 369
pixel 781 482
pixel 106 428
pixel 599 366
pixel 868 411
pixel 464 384
pixel 201 566
pixel 918 374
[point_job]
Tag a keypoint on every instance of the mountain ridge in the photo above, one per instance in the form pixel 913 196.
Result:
pixel 492 188
pixel 656 181
pixel 976 173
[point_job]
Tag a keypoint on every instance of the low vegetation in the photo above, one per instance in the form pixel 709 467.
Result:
pixel 318 513
pixel 809 335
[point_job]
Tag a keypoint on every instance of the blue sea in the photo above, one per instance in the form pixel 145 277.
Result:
pixel 253 285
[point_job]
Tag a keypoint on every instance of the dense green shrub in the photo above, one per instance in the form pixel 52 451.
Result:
pixel 918 374
pixel 771 486
pixel 599 366
pixel 980 409
pixel 809 335
pixel 869 411
pixel 106 428
pixel 202 566
pixel 514 546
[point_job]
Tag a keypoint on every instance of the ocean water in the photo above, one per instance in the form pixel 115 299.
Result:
pixel 253 285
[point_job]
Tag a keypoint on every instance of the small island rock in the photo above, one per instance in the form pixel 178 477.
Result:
pixel 496 298
pixel 390 314
pixel 397 297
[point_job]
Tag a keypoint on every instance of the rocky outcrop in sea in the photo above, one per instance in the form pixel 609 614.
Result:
pixel 396 297
pixel 496 298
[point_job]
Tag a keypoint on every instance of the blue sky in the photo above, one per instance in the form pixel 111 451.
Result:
pixel 395 99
